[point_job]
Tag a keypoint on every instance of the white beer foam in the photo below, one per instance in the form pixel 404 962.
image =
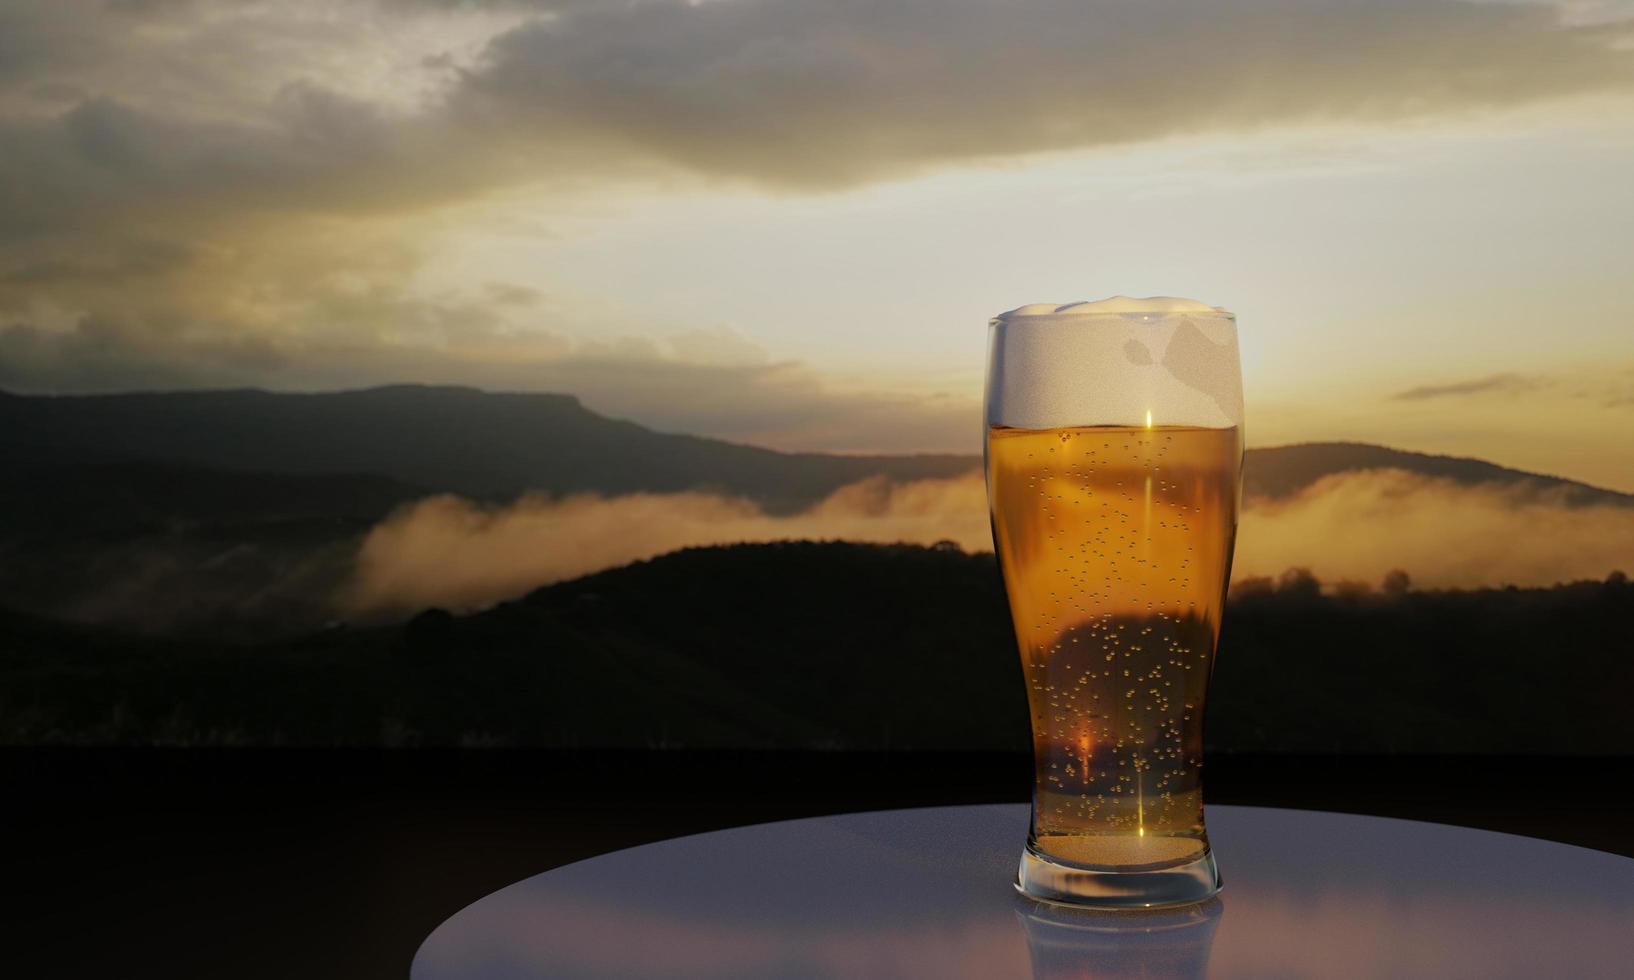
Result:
pixel 1115 304
pixel 1113 361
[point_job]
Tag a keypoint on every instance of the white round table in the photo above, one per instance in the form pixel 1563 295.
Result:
pixel 927 893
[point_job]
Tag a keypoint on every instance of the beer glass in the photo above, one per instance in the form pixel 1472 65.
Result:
pixel 1114 462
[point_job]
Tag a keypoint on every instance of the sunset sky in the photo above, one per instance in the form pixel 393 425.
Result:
pixel 787 221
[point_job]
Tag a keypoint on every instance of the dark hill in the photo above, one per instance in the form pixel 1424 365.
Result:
pixel 69 499
pixel 177 548
pixel 496 445
pixel 754 646
pixel 441 438
pixel 836 646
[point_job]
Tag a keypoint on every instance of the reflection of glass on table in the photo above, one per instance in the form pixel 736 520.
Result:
pixel 1082 944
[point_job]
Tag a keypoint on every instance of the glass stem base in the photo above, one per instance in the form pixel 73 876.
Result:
pixel 1046 880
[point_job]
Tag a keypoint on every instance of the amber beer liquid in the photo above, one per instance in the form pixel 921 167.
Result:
pixel 1115 544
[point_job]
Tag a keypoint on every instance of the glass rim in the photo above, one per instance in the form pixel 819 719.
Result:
pixel 1215 314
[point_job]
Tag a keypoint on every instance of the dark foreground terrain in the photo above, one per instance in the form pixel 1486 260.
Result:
pixel 816 647
pixel 274 864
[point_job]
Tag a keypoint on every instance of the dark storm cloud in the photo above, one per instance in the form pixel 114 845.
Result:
pixel 1495 383
pixel 136 259
pixel 312 151
pixel 833 92
pixel 33 36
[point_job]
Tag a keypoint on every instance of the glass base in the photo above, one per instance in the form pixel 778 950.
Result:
pixel 1046 880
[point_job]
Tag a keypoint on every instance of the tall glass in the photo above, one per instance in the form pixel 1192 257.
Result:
pixel 1114 474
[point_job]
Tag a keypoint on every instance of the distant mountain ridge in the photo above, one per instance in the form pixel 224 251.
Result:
pixel 1283 471
pixel 487 445
pixel 426 439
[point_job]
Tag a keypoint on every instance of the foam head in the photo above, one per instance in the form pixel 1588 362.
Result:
pixel 1120 361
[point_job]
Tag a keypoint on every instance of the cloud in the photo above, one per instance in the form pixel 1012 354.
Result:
pixel 1361 525
pixel 202 193
pixel 1619 391
pixel 1491 384
pixel 450 552
pixel 784 405
pixel 361 106
pixel 833 92
pixel 716 383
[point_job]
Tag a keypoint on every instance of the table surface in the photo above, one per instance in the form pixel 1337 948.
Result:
pixel 927 893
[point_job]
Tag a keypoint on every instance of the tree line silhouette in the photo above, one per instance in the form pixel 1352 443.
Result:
pixel 836 646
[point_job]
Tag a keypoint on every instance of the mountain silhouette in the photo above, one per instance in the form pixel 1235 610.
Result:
pixel 1283 471
pixel 234 513
pixel 497 445
pixel 461 440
